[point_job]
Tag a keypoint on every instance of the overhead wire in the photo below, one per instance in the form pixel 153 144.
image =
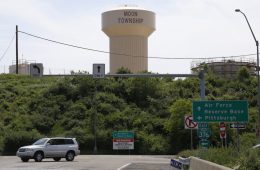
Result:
pixel 106 52
pixel 7 48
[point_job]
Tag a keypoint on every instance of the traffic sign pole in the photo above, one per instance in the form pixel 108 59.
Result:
pixel 238 140
pixel 202 97
pixel 95 121
pixel 202 85
pixel 191 140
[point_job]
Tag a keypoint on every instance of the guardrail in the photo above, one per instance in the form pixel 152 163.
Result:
pixel 193 163
pixel 200 164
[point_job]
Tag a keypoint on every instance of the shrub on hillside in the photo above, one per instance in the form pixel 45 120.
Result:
pixel 250 160
pixel 222 156
pixel 15 139
pixel 247 140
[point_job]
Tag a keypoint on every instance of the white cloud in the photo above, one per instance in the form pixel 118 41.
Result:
pixel 34 13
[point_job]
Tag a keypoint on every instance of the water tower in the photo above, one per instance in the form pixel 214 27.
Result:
pixel 128 28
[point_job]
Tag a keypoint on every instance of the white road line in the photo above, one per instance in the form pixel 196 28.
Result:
pixel 122 167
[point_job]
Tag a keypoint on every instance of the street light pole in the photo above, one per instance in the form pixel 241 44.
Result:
pixel 257 69
pixel 95 120
pixel 16 66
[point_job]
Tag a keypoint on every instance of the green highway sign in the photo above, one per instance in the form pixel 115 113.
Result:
pixel 123 135
pixel 204 133
pixel 220 111
pixel 203 125
pixel 204 143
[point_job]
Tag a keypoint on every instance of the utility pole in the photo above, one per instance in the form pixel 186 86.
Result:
pixel 16 49
pixel 202 84
pixel 95 118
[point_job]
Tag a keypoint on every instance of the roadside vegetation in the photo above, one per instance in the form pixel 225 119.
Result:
pixel 244 158
pixel 153 108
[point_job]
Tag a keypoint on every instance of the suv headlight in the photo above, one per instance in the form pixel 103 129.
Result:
pixel 28 149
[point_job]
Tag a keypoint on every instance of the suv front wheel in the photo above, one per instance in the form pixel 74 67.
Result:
pixel 70 156
pixel 25 159
pixel 57 159
pixel 38 156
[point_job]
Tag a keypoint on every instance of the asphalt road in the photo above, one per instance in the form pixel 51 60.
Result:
pixel 91 162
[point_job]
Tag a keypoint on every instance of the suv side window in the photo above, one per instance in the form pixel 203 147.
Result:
pixel 51 142
pixel 60 142
pixel 57 142
pixel 68 141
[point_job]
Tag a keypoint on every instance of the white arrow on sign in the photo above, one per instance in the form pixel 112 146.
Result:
pixel 238 125
pixel 98 70
pixel 199 117
pixel 36 69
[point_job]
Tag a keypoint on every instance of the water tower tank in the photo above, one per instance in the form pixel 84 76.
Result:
pixel 128 28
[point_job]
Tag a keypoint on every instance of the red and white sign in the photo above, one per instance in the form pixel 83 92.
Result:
pixel 123 145
pixel 123 140
pixel 222 130
pixel 189 124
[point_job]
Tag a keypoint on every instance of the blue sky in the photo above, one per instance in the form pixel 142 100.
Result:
pixel 184 28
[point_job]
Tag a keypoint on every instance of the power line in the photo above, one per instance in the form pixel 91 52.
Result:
pixel 106 52
pixel 7 48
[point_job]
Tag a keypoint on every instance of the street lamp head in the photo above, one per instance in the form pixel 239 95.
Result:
pixel 237 10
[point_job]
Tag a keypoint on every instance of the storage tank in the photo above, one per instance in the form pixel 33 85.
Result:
pixel 226 67
pixel 128 28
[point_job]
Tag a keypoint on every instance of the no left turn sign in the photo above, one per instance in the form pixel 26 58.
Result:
pixel 189 124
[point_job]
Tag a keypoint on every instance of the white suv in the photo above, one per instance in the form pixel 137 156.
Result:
pixel 55 148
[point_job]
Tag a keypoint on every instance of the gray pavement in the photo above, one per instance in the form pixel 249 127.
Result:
pixel 147 166
pixel 91 162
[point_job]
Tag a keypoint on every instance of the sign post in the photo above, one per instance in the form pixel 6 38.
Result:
pixel 189 124
pixel 98 72
pixel 238 140
pixel 238 126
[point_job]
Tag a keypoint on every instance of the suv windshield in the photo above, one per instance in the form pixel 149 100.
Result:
pixel 40 141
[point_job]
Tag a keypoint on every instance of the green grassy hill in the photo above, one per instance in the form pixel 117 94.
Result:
pixel 153 108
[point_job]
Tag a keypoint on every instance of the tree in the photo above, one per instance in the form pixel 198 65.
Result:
pixel 179 137
pixel 243 74
pixel 123 70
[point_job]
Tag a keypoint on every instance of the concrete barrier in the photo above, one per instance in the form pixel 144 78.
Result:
pixel 199 164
